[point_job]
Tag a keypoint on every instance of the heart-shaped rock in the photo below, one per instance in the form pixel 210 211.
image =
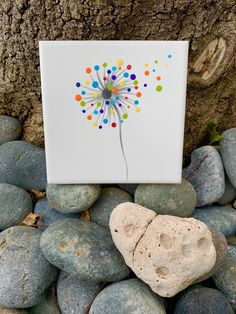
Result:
pixel 167 252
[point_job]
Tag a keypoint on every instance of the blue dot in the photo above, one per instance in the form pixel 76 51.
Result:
pixel 136 102
pixel 117 97
pixel 101 110
pixel 113 77
pixel 83 110
pixel 105 121
pixel 107 102
pixel 169 55
pixel 145 85
pixel 128 89
pixel 96 68
pixel 153 70
pixel 126 74
pixel 100 126
pixel 120 105
pixel 121 121
pixel 83 92
pixel 114 68
pixel 113 102
pixel 95 84
pixel 109 71
pixel 95 112
pixel 77 84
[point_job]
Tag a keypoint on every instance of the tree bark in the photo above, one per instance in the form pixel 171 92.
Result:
pixel 209 25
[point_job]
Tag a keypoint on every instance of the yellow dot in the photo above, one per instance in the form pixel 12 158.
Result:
pixel 120 62
pixel 137 109
pixel 146 64
pixel 86 82
pixel 95 124
pixel 112 111
pixel 121 83
pixel 95 95
pixel 109 87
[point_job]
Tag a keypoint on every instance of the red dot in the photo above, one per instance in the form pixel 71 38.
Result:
pixel 129 66
pixel 113 124
pixel 146 73
pixel 104 79
pixel 126 97
pixel 136 87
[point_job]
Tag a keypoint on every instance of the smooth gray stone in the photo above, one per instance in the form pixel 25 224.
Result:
pixel 201 300
pixel 129 296
pixel 84 249
pixel 15 205
pixel 109 198
pixel 49 304
pixel 72 198
pixel 167 199
pixel 10 129
pixel 206 173
pixel 74 295
pixel 23 164
pixel 130 188
pixel 49 214
pixel 221 218
pixel 228 154
pixel 24 272
pixel 225 277
pixel 229 193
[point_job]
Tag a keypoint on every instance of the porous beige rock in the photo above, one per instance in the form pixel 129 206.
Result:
pixel 167 252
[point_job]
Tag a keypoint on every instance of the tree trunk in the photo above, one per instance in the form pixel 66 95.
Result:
pixel 209 25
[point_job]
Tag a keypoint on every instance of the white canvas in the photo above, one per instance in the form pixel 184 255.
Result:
pixel 126 126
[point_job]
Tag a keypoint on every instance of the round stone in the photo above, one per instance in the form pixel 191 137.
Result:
pixel 10 129
pixel 72 198
pixel 128 296
pixel 74 295
pixel 25 273
pixel 130 188
pixel 229 193
pixel 23 164
pixel 206 174
pixel 167 199
pixel 49 304
pixel 49 214
pixel 83 249
pixel 228 153
pixel 16 203
pixel 201 300
pixel 225 277
pixel 108 199
pixel 221 218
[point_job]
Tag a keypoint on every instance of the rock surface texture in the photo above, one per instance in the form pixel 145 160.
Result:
pixel 167 252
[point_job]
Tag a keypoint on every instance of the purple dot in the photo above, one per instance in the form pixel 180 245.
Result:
pixel 133 76
pixel 101 110
pixel 113 77
pixel 145 85
pixel 100 126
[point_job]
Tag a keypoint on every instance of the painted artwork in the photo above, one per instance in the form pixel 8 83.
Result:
pixel 114 111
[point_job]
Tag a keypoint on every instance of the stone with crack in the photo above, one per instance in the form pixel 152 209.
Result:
pixel 168 253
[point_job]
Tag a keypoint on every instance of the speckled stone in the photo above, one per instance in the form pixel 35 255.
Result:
pixel 228 153
pixel 128 296
pixel 16 203
pixel 229 193
pixel 74 295
pixel 49 304
pixel 25 273
pixel 84 249
pixel 130 188
pixel 107 201
pixel 72 198
pixel 201 300
pixel 49 214
pixel 10 129
pixel 206 174
pixel 225 277
pixel 167 199
pixel 221 218
pixel 4 310
pixel 23 164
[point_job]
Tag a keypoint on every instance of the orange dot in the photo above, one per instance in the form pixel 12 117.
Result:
pixel 88 70
pixel 128 106
pixel 119 68
pixel 89 117
pixel 158 78
pixel 78 97
pixel 146 73
pixel 115 90
pixel 138 94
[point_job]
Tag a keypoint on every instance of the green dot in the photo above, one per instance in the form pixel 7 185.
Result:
pixel 159 88
pixel 156 61
pixel 82 103
pixel 99 104
pixel 135 82
pixel 104 64
pixel 109 87
pixel 125 116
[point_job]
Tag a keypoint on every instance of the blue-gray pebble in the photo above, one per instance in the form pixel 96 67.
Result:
pixel 225 277
pixel 130 188
pixel 74 295
pixel 206 173
pixel 49 214
pixel 221 218
pixel 16 204
pixel 201 300
pixel 229 193
pixel 72 198
pixel 23 164
pixel 167 199
pixel 128 296
pixel 25 273
pixel 10 129
pixel 228 153
pixel 48 305
pixel 109 198
pixel 84 249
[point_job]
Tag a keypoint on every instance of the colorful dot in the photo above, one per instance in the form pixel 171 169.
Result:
pixel 126 74
pixel 132 76
pixel 83 92
pixel 83 110
pixel 145 85
pixel 82 103
pixel 136 87
pixel 121 121
pixel 125 116
pixel 77 84
pixel 138 94
pixel 89 117
pixel 95 112
pixel 101 110
pixel 86 82
pixel 78 97
pixel 158 78
pixel 120 105
pixel 92 105
pixel 128 106
pixel 100 126
pixel 94 124
pixel 129 66
pixel 146 73
pixel 113 124
pixel 121 83
pixel 128 89
pixel 99 104
pixel 109 71
pixel 113 77
pixel 113 102
pixel 153 70
pixel 105 121
pixel 117 97
pixel 120 62
pixel 137 109
pixel 146 64
pixel 95 84
pixel 109 87
pixel 96 68
pixel 114 68
pixel 169 55
pixel 104 65
pixel 104 79
pixel 107 102
pixel 159 88
pixel 136 102
pixel 88 70
pixel 156 61
pixel 135 82
pixel 112 111
pixel 115 90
